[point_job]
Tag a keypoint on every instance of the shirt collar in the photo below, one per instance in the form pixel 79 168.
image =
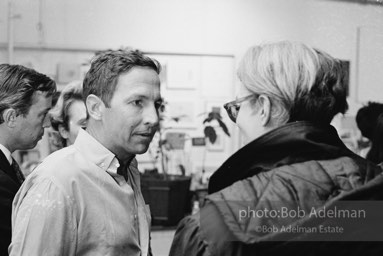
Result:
pixel 7 153
pixel 94 151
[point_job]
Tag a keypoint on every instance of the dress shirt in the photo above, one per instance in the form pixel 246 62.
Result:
pixel 75 203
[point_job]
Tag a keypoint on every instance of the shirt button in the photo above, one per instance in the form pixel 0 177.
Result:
pixel 135 216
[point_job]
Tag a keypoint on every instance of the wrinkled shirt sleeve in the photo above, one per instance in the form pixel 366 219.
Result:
pixel 188 240
pixel 43 221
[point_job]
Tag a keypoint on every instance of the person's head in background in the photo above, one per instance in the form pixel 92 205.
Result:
pixel 375 154
pixel 369 120
pixel 285 82
pixel 25 99
pixel 366 118
pixel 69 114
pixel 122 95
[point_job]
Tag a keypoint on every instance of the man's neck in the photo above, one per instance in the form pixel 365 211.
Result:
pixel 98 134
pixel 127 160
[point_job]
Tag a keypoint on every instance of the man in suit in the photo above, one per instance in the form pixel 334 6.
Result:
pixel 25 99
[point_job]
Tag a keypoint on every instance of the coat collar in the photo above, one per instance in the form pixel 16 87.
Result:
pixel 6 153
pixel 291 143
pixel 7 168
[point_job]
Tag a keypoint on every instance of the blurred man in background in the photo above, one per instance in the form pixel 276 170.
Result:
pixel 369 120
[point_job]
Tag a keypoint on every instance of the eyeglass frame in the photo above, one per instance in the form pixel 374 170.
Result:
pixel 236 104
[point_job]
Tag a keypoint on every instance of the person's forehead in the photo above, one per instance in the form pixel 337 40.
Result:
pixel 139 74
pixel 77 109
pixel 139 81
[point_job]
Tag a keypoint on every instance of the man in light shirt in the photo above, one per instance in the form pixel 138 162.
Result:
pixel 85 199
pixel 25 99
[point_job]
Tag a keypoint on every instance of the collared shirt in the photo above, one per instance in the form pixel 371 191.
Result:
pixel 7 153
pixel 75 203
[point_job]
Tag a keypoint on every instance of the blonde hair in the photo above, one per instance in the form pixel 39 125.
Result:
pixel 295 76
pixel 60 112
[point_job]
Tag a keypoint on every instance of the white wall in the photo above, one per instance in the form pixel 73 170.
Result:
pixel 210 26
pixel 168 25
pixel 198 26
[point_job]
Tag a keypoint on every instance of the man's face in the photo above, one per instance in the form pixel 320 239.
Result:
pixel 30 128
pixel 132 118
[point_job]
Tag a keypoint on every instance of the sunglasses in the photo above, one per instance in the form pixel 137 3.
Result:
pixel 232 107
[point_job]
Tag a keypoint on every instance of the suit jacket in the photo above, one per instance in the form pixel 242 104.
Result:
pixel 9 185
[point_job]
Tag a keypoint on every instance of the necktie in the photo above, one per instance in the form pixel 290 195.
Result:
pixel 19 174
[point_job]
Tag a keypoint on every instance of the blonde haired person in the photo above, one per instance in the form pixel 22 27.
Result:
pixel 69 114
pixel 293 160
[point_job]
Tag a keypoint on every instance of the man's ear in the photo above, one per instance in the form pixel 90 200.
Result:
pixel 265 109
pixel 95 107
pixel 63 132
pixel 9 117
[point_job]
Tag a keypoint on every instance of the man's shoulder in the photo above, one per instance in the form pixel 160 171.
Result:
pixel 60 156
pixel 60 169
pixel 346 172
pixel 61 164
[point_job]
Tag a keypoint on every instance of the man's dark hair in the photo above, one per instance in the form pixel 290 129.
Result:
pixel 107 66
pixel 366 118
pixel 376 152
pixel 18 85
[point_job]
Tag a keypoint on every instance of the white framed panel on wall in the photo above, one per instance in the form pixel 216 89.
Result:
pixel 183 72
pixel 217 77
pixel 370 64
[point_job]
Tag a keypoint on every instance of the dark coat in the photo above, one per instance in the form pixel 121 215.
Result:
pixel 9 185
pixel 296 166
